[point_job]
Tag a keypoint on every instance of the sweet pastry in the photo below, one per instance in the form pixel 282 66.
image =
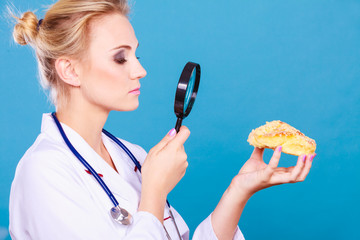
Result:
pixel 277 133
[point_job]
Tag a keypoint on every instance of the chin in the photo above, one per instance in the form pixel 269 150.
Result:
pixel 134 108
pixel 128 108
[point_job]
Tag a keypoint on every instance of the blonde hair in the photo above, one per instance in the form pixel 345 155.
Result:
pixel 63 32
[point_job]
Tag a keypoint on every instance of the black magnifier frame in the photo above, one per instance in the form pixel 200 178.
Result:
pixel 182 87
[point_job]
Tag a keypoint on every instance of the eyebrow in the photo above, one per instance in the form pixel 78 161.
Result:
pixel 124 46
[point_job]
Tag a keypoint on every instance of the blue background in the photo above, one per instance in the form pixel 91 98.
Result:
pixel 297 61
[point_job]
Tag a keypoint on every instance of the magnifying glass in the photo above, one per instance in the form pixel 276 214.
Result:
pixel 186 92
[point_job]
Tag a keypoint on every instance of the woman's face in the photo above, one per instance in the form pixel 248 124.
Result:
pixel 110 72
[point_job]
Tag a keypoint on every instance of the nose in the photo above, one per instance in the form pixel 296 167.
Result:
pixel 138 71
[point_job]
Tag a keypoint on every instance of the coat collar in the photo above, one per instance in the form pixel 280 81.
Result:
pixel 125 193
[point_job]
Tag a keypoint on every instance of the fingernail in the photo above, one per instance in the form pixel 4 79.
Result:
pixel 279 149
pixel 303 158
pixel 172 132
pixel 312 157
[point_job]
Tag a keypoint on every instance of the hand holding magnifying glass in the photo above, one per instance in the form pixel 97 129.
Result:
pixel 186 92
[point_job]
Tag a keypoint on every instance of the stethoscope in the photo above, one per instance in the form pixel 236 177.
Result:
pixel 184 100
pixel 118 213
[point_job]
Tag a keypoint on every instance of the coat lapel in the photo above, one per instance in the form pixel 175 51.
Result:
pixel 127 197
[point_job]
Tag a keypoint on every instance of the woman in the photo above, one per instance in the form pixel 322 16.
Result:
pixel 86 55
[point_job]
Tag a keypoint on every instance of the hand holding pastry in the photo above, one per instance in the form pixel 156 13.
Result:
pixel 256 174
pixel 252 177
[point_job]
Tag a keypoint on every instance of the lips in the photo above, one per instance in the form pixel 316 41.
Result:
pixel 136 90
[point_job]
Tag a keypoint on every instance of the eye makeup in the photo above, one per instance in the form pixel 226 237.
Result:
pixel 120 57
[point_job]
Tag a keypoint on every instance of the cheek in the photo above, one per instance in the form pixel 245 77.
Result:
pixel 106 84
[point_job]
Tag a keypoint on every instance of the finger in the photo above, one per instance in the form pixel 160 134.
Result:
pixel 295 173
pixel 274 161
pixel 169 136
pixel 287 176
pixel 280 178
pixel 284 169
pixel 257 153
pixel 181 136
pixel 306 169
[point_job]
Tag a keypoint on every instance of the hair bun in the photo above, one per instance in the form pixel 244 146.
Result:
pixel 25 31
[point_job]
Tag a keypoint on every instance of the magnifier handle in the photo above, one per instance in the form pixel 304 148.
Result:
pixel 178 124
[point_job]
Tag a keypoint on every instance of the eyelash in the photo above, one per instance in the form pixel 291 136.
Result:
pixel 123 60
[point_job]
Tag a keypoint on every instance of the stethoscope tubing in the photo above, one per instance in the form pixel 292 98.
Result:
pixel 128 152
pixel 96 176
pixel 84 162
pixel 88 166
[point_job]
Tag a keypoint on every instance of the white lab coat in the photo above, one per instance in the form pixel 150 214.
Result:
pixel 53 197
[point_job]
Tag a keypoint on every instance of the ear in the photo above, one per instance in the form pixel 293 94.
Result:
pixel 65 68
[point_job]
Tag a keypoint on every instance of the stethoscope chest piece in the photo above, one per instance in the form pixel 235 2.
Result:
pixel 121 215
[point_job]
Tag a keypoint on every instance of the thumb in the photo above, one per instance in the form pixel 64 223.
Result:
pixel 170 135
pixel 274 161
pixel 181 136
pixel 257 154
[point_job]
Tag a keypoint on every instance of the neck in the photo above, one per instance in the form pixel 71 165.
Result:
pixel 87 121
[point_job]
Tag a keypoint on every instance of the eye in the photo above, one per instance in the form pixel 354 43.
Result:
pixel 137 58
pixel 120 60
pixel 120 57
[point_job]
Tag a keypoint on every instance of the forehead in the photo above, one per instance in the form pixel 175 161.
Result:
pixel 111 30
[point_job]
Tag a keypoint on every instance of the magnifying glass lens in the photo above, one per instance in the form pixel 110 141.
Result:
pixel 186 92
pixel 189 90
